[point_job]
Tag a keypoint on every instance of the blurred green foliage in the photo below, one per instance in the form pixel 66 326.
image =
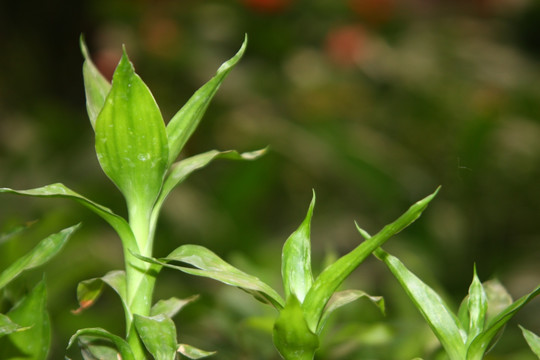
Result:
pixel 373 103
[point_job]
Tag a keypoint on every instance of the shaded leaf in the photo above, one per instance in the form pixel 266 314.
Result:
pixel 121 345
pixel 192 352
pixel 88 291
pixel 45 250
pixel 96 87
pixel 158 334
pixel 333 276
pixel 186 120
pixel 532 339
pixel 93 348
pixel 171 307
pixel 16 230
pixel 131 143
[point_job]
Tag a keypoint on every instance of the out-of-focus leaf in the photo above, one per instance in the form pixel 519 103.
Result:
pixel 442 321
pixel 171 307
pixel 342 298
pixel 479 346
pixel 60 190
pixel 477 308
pixel 88 291
pixel 93 348
pixel 296 259
pixel 331 278
pixel 96 87
pixel 7 326
pixel 131 143
pixel 186 120
pixel 498 298
pixel 121 345
pixel 192 352
pixel 532 339
pixel 291 335
pixel 31 312
pixel 45 250
pixel 182 169
pixel 16 230
pixel 209 265
pixel 158 334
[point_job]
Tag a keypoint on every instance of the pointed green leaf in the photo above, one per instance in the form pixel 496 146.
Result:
pixel 532 339
pixel 45 250
pixel 88 291
pixel 342 298
pixel 96 87
pixel 480 344
pixel 212 266
pixel 477 308
pixel 131 143
pixel 158 334
pixel 31 312
pixel 184 123
pixel 60 190
pixel 192 352
pixel 7 326
pixel 121 345
pixel 172 306
pixel 296 259
pixel 442 321
pixel 331 278
pixel 292 336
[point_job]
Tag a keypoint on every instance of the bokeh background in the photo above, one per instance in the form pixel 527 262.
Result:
pixel 371 103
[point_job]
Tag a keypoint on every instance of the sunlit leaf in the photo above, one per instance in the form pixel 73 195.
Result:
pixel 31 312
pixel 477 308
pixel 171 307
pixel 88 291
pixel 131 143
pixel 439 317
pixel 296 259
pixel 192 352
pixel 186 120
pixel 45 250
pixel 333 276
pixel 158 334
pixel 61 191
pixel 208 264
pixel 121 345
pixel 96 87
pixel 532 339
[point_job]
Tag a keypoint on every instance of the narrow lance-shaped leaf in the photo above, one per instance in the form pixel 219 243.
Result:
pixel 184 123
pixel 208 264
pixel 158 334
pixel 333 276
pixel 131 142
pixel 121 345
pixel 61 191
pixel 477 307
pixel 45 250
pixel 296 259
pixel 532 339
pixel 442 321
pixel 192 352
pixel 96 87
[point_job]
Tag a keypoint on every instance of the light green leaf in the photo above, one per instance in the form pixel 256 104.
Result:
pixel 192 352
pixel 171 307
pixel 342 298
pixel 479 346
pixel 212 266
pixel 131 143
pixel 292 336
pixel 296 259
pixel 7 326
pixel 532 339
pixel 158 334
pixel 477 308
pixel 498 298
pixel 96 87
pixel 121 345
pixel 333 276
pixel 184 123
pixel 442 321
pixel 60 190
pixel 31 312
pixel 45 250
pixel 88 291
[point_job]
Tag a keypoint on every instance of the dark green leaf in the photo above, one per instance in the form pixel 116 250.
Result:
pixel 184 123
pixel 158 334
pixel 88 291
pixel 119 343
pixel 45 250
pixel 296 259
